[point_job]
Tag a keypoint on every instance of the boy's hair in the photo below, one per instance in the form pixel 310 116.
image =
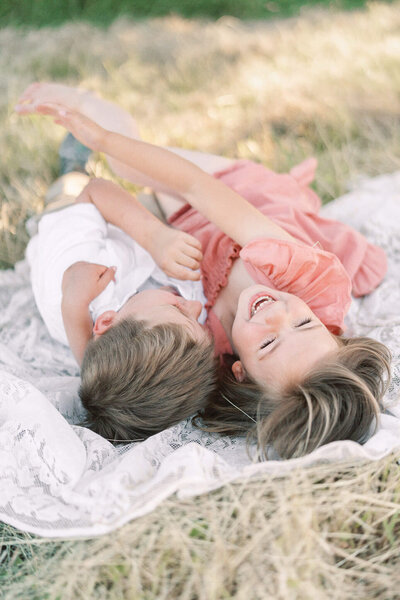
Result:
pixel 338 400
pixel 139 380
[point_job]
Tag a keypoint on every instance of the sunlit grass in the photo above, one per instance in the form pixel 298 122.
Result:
pixel 326 532
pixel 327 86
pixel 322 85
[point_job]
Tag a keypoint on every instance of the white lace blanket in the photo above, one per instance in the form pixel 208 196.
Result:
pixel 58 479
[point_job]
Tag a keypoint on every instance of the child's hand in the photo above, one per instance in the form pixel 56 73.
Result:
pixel 83 282
pixel 44 93
pixel 82 128
pixel 177 253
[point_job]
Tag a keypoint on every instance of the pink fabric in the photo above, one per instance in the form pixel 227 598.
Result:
pixel 315 276
pixel 322 277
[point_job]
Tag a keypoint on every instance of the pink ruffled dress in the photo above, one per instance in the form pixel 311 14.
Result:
pixel 328 263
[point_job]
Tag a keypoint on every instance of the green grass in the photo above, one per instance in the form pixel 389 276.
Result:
pixel 102 12
pixel 326 85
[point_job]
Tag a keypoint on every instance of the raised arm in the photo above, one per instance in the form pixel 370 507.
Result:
pixel 113 118
pixel 218 203
pixel 107 114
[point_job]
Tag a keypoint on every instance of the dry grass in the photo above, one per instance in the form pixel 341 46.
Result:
pixel 327 85
pixel 321 533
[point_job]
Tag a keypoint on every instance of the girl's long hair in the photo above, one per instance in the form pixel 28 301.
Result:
pixel 338 400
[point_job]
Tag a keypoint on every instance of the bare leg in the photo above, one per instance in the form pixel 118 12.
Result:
pixel 114 118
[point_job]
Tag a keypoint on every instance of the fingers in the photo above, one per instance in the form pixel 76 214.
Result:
pixel 180 272
pixel 187 267
pixel 27 101
pixel 194 253
pixel 52 108
pixel 61 115
pixel 95 268
pixel 107 276
pixel 191 247
pixel 187 261
pixel 44 108
pixel 191 241
pixel 24 109
pixel 29 92
pixel 45 92
pixel 64 115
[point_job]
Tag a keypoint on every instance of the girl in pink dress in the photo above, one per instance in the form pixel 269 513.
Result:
pixel 278 280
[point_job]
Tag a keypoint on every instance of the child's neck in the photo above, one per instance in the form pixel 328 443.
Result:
pixel 226 304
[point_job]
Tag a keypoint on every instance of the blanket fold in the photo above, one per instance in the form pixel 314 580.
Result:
pixel 58 479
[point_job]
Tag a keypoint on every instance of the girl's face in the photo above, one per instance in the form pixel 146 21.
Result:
pixel 277 337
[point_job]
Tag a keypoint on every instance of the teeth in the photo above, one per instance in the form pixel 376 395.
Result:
pixel 259 303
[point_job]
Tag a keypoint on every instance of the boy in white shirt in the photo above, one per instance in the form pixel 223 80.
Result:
pixel 122 289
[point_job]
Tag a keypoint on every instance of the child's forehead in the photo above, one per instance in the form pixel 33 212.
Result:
pixel 156 294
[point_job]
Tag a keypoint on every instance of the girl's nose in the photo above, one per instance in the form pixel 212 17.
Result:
pixel 277 316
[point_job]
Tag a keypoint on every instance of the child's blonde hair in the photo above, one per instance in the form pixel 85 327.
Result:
pixel 338 400
pixel 139 380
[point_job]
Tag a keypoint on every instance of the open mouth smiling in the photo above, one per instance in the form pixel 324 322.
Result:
pixel 260 302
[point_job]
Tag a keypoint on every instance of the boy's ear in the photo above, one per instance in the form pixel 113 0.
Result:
pixel 104 322
pixel 238 371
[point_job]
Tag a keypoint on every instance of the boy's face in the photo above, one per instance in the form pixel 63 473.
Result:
pixel 160 306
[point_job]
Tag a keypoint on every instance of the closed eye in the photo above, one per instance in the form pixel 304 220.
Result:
pixel 304 322
pixel 267 343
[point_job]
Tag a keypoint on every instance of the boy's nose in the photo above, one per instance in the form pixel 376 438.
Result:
pixel 194 308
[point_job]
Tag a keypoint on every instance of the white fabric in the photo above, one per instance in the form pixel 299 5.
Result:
pixel 77 233
pixel 58 479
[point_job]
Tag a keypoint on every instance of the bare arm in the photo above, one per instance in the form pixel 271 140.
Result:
pixel 78 326
pixel 177 253
pixel 218 203
pixel 82 282
pixel 113 118
pixel 120 208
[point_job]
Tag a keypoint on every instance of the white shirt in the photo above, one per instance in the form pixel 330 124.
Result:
pixel 79 233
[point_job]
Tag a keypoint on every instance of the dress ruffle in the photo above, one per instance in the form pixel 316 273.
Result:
pixel 328 258
pixel 370 272
pixel 315 276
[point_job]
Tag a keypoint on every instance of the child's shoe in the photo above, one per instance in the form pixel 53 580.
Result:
pixel 60 194
pixel 73 155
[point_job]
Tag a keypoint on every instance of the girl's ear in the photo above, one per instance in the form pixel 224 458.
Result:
pixel 238 371
pixel 104 322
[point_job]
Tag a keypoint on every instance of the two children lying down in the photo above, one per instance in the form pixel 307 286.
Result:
pixel 277 280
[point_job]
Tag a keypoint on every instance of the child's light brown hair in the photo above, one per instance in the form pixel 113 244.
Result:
pixel 338 400
pixel 139 380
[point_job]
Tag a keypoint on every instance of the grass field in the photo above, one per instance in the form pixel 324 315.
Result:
pixel 326 84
